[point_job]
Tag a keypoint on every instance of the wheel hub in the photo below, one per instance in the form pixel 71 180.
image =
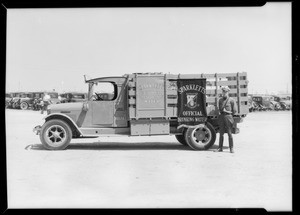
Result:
pixel 56 134
pixel 200 135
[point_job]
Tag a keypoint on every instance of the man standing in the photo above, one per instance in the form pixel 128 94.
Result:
pixel 46 101
pixel 227 108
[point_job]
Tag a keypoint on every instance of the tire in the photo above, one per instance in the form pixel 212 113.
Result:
pixel 283 106
pixel 277 107
pixel 55 134
pixel 24 105
pixel 201 137
pixel 181 139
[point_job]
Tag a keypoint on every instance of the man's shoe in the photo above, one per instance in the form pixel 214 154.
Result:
pixel 219 150
pixel 231 150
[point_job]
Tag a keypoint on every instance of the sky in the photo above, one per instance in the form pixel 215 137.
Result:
pixel 54 48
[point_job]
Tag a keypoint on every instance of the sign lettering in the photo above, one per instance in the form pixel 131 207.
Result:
pixel 191 101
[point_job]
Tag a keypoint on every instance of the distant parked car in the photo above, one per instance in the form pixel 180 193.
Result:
pixel 37 98
pixel 8 98
pixel 73 97
pixel 38 103
pixel 26 101
pixel 284 101
pixel 14 102
pixel 54 97
pixel 250 104
pixel 262 103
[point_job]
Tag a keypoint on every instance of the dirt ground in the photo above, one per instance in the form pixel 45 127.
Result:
pixel 151 172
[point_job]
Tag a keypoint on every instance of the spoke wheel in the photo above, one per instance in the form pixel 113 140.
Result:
pixel 55 135
pixel 24 106
pixel 202 137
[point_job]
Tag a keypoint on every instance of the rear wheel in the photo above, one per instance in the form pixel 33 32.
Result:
pixel 24 105
pixel 55 134
pixel 201 137
pixel 181 139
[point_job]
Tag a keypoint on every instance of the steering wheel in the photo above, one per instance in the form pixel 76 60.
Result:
pixel 98 97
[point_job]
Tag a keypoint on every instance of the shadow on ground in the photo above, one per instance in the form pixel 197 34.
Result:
pixel 122 146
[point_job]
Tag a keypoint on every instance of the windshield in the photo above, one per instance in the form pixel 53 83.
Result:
pixel 38 95
pixel 29 95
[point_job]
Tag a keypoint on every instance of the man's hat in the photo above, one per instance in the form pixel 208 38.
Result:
pixel 225 88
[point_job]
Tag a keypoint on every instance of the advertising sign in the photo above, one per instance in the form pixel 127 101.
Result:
pixel 150 92
pixel 191 101
pixel 150 96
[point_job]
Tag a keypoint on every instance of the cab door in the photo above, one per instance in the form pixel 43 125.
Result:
pixel 103 104
pixel 102 113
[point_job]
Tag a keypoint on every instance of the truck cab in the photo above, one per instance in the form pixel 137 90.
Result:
pixel 145 104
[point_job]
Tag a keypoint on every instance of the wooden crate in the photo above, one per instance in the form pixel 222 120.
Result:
pixel 237 82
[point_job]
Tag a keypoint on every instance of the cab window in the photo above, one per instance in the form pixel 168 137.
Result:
pixel 105 91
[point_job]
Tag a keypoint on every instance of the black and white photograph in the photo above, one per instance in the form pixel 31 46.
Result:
pixel 149 107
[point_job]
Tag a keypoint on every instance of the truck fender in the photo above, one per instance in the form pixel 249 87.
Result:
pixel 66 118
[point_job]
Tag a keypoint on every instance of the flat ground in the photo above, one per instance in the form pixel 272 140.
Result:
pixel 151 172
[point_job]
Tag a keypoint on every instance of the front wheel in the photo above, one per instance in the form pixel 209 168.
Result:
pixel 55 134
pixel 201 137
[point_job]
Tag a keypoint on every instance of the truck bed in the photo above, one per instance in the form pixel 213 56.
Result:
pixel 157 93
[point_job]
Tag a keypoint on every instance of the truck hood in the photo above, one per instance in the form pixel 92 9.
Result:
pixel 66 107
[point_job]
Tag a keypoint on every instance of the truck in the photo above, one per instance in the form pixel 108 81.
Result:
pixel 146 104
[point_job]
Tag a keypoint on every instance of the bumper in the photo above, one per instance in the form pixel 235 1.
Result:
pixel 37 129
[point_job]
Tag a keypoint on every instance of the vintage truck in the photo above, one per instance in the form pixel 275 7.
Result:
pixel 145 104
